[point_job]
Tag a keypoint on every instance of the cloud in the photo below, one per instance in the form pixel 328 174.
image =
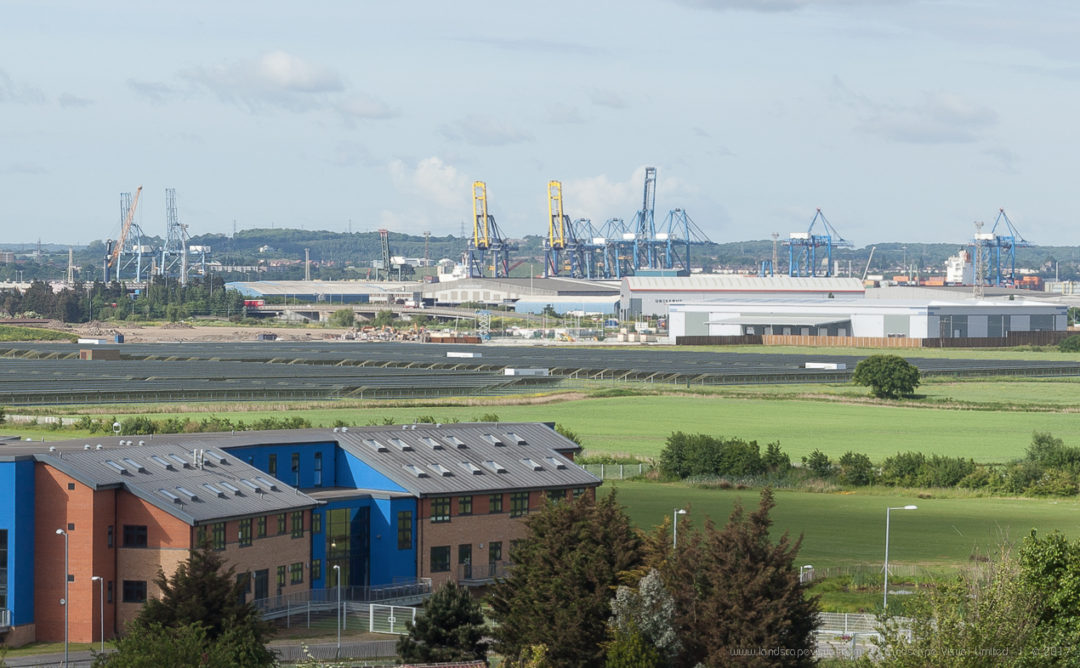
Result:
pixel 484 131
pixel 24 167
pixel 433 180
pixel 348 154
pixel 1005 159
pixel 564 114
pixel 155 92
pixel 69 101
pixel 362 106
pixel 19 93
pixel 275 79
pixel 607 98
pixel 939 117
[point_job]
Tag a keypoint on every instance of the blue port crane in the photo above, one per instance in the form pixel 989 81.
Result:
pixel 487 250
pixel 803 248
pixel 644 225
pixel 564 252
pixel 1004 240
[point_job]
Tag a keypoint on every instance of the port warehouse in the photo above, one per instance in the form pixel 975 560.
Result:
pixel 419 504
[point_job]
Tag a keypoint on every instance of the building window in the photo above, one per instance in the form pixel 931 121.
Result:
pixel 280 576
pixel 3 567
pixel 404 530
pixel 296 468
pixel 495 552
pixel 200 535
pixel 271 468
pixel 281 527
pixel 464 506
pixel 495 503
pixel 298 524
pixel 219 536
pixel 134 535
pixel 316 522
pixel 556 495
pixel 440 509
pixel 318 469
pixel 109 535
pixel 260 527
pixel 134 591
pixel 579 492
pixel 316 569
pixel 519 504
pixel 245 533
pixel 109 592
pixel 296 573
pixel 440 559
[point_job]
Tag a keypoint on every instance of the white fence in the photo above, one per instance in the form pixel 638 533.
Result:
pixel 617 471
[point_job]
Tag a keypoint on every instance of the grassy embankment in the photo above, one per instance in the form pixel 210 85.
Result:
pixel 18 333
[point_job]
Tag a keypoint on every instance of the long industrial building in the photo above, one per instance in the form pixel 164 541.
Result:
pixel 651 296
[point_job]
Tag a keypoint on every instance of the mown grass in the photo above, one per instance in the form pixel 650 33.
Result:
pixel 639 425
pixel 846 529
pixel 20 333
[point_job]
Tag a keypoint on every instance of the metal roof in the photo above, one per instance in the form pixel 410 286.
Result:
pixel 198 490
pixel 726 283
pixel 775 319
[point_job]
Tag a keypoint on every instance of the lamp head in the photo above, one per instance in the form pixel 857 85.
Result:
pixel 680 511
pixel 911 507
pixel 95 578
pixel 60 532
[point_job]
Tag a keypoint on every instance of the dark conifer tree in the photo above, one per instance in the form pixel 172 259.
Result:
pixel 450 627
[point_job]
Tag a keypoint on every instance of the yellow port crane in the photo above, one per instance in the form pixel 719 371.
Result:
pixel 124 229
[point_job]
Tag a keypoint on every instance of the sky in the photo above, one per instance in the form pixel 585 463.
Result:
pixel 901 120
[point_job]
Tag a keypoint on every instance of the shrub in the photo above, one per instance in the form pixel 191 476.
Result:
pixel 980 478
pixel 856 469
pixel 888 376
pixel 818 463
pixel 1050 452
pixel 1070 344
pixel 686 455
pixel 343 317
pixel 1054 482
pixel 902 469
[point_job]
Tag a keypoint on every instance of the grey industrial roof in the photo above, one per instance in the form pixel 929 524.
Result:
pixel 726 283
pixel 212 487
pixel 778 319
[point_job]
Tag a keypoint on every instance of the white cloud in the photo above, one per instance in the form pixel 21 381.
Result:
pixel 25 167
pixel 364 106
pixel 484 131
pixel 598 198
pixel 276 79
pixel 69 101
pixel 154 91
pixel 435 181
pixel 607 98
pixel 564 114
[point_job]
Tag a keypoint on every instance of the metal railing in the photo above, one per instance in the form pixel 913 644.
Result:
pixel 482 573
pixel 313 599
pixel 617 471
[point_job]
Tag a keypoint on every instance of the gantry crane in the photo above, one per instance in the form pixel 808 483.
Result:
pixel 644 225
pixel 113 253
pixel 802 248
pixel 1007 239
pixel 562 246
pixel 487 247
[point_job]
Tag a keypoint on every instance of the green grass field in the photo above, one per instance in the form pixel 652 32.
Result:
pixel 994 426
pixel 849 529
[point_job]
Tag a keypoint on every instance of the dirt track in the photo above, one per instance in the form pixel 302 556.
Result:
pixel 180 332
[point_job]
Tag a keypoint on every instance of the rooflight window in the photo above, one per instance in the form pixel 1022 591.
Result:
pixel 555 463
pixel 119 468
pixel 415 470
pixel 188 493
pixel 169 495
pixel 432 443
pixel 458 443
pixel 494 466
pixel 471 468
pixel 440 469
pixel 134 464
pixel 217 457
pixel 231 487
pixel 494 440
pixel 178 459
pixel 162 462
pixel 247 483
pixel 531 464
pixel 266 482
pixel 400 444
pixel 215 490
pixel 520 440
pixel 374 445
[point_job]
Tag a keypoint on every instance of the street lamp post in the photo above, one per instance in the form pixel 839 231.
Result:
pixel 64 601
pixel 101 605
pixel 337 577
pixel 885 600
pixel 675 526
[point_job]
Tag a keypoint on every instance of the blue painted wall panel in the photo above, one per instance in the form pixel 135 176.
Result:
pixel 17 516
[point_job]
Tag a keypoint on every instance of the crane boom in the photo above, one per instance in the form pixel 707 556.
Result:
pixel 556 226
pixel 481 230
pixel 125 228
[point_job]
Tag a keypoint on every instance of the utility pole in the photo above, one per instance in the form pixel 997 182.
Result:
pixel 980 265
pixel 775 254
pixel 307 264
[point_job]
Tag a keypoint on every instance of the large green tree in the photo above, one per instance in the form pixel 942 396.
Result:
pixel 737 591
pixel 564 576
pixel 201 593
pixel 888 376
pixel 449 627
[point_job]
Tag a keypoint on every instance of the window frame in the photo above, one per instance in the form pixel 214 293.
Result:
pixel 443 564
pixel 132 590
pixel 495 503
pixel 519 504
pixel 296 573
pixel 440 509
pixel 465 505
pixel 244 533
pixel 297 524
pixel 136 535
pixel 217 539
pixel 404 530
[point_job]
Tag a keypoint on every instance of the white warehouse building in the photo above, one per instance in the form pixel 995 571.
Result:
pixel 959 318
